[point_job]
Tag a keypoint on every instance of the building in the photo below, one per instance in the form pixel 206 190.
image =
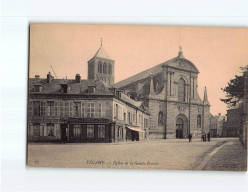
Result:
pixel 170 91
pixel 77 110
pixel 217 125
pixel 234 121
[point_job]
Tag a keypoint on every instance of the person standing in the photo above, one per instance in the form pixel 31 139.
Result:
pixel 190 137
pixel 208 137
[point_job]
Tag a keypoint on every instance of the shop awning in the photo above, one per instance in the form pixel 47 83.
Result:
pixel 135 129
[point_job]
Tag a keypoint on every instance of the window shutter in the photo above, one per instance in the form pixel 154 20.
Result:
pixel 71 108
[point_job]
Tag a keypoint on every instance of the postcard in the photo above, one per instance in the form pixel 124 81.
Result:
pixel 137 97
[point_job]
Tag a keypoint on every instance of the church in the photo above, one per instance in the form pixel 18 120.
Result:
pixel 170 92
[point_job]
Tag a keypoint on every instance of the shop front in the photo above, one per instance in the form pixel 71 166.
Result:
pixel 134 133
pixel 89 130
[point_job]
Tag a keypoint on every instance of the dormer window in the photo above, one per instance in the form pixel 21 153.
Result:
pixel 65 88
pixel 91 89
pixel 38 88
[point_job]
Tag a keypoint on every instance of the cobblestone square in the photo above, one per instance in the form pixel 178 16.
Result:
pixel 173 154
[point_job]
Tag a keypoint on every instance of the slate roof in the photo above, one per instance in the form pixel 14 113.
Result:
pixel 155 70
pixel 75 88
pixel 101 53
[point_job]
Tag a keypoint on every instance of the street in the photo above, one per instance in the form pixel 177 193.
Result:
pixel 172 154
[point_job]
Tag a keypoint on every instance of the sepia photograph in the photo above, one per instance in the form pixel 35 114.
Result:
pixel 137 97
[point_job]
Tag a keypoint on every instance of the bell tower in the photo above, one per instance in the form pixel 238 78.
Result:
pixel 101 67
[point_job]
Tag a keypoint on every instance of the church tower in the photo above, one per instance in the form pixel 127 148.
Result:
pixel 101 67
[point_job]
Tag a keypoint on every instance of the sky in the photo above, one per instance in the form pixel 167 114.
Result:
pixel 217 52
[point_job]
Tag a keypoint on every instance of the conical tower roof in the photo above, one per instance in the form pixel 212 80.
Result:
pixel 205 98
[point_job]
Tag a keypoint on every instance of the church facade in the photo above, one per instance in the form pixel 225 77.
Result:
pixel 170 91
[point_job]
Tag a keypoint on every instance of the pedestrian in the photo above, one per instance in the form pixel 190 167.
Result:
pixel 190 137
pixel 205 137
pixel 208 137
pixel 202 138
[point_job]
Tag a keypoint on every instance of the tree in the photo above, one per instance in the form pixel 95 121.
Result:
pixel 235 90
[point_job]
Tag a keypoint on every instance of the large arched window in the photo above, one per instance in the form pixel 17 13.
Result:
pixel 199 121
pixel 100 67
pixel 181 90
pixel 110 69
pixel 160 118
pixel 104 68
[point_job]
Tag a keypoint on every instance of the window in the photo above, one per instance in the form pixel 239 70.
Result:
pixel 129 118
pixel 90 109
pixel 101 131
pixel 199 121
pixel 145 123
pixel 83 109
pixel 36 130
pixel 140 120
pixel 105 68
pixel 160 118
pixel 101 110
pixel 124 115
pixel 43 108
pixel 56 109
pixel 50 108
pixel 64 109
pixel 36 108
pixel 77 108
pixel 50 130
pixel 109 69
pixel 181 90
pixel 116 111
pixel 90 131
pixel 100 67
pixel 76 131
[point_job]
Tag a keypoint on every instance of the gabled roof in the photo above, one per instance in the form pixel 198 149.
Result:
pixel 176 62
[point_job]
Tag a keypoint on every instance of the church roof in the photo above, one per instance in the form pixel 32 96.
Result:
pixel 101 53
pixel 178 62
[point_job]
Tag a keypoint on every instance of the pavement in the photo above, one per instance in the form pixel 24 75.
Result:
pixel 172 154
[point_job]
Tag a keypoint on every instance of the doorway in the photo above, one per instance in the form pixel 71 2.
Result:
pixel 179 128
pixel 63 132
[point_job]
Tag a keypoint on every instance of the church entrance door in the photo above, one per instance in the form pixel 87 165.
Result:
pixel 179 128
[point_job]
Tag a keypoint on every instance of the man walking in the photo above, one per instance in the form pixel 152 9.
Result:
pixel 190 137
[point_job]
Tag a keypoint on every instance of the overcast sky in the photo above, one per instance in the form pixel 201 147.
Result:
pixel 217 52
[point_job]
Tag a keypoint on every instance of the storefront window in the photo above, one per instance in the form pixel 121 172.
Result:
pixel 90 131
pixel 101 131
pixel 76 131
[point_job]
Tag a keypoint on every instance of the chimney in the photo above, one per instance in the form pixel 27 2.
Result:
pixel 78 78
pixel 37 77
pixel 49 78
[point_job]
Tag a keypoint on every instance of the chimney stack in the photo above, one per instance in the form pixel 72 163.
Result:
pixel 49 78
pixel 78 78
